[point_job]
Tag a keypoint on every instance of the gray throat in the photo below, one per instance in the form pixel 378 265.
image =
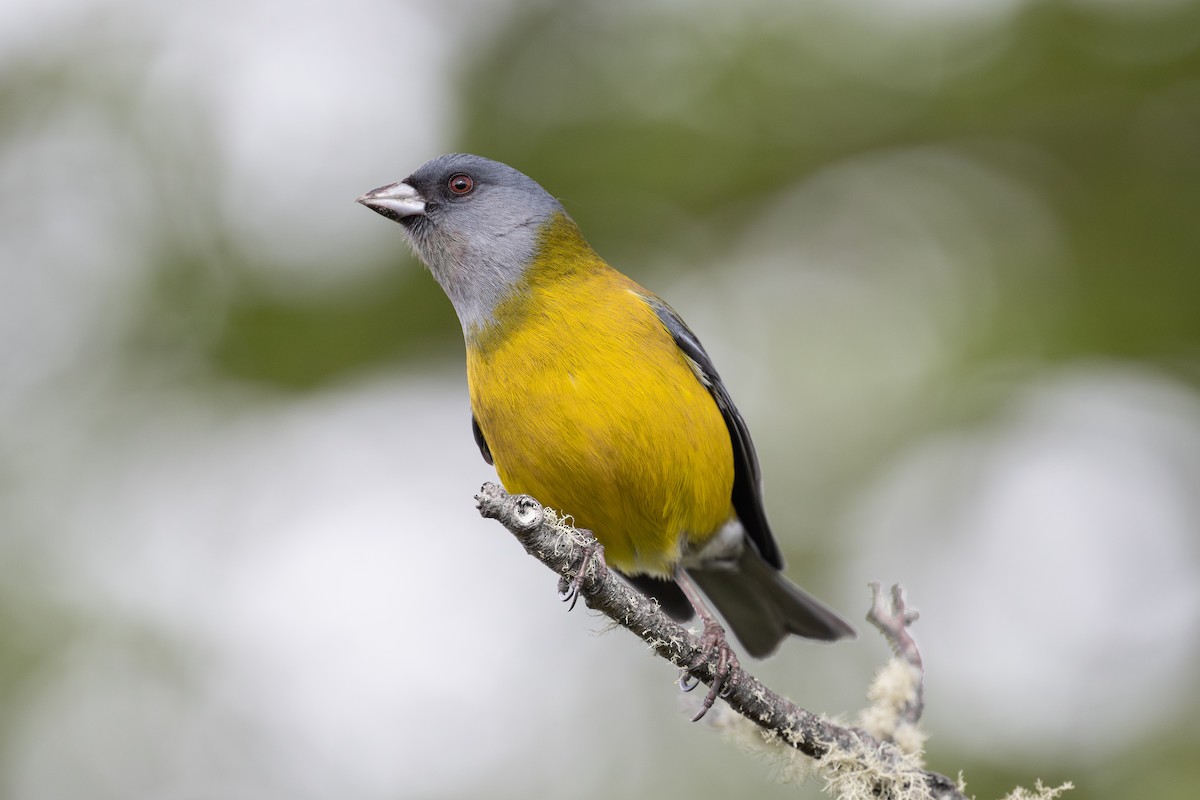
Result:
pixel 477 273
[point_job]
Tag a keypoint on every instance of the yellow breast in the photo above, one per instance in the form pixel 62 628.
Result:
pixel 587 405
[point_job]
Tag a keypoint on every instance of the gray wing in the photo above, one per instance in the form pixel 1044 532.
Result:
pixel 747 479
pixel 479 440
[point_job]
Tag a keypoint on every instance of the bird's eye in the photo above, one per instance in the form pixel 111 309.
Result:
pixel 460 184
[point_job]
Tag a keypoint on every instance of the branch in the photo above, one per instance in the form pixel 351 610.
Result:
pixel 856 764
pixel 898 692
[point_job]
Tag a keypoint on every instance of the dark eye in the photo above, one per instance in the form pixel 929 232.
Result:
pixel 460 184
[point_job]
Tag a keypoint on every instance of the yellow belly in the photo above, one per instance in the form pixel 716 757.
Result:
pixel 587 405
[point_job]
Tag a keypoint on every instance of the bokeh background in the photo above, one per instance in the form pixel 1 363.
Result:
pixel 946 253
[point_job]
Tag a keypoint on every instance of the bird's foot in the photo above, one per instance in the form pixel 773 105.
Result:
pixel 569 589
pixel 726 674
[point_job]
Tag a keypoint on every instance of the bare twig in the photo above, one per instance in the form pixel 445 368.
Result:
pixel 883 769
pixel 892 619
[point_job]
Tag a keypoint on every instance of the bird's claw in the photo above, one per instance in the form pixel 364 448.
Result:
pixel 726 674
pixel 570 588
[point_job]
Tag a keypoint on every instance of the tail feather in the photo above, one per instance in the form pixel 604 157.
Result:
pixel 763 607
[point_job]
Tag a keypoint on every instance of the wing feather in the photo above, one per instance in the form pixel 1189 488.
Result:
pixel 484 450
pixel 747 482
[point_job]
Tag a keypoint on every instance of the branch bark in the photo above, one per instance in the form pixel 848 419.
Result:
pixel 880 767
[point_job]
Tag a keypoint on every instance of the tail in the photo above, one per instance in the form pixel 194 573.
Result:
pixel 763 607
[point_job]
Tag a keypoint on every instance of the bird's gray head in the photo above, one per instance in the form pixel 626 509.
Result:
pixel 474 222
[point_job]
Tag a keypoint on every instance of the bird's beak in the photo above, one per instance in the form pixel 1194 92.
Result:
pixel 394 201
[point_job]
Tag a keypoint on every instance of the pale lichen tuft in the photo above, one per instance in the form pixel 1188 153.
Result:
pixel 787 764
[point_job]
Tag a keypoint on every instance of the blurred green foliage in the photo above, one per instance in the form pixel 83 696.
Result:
pixel 305 344
pixel 645 122
pixel 1109 103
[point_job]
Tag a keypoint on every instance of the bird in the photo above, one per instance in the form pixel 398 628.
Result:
pixel 591 394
